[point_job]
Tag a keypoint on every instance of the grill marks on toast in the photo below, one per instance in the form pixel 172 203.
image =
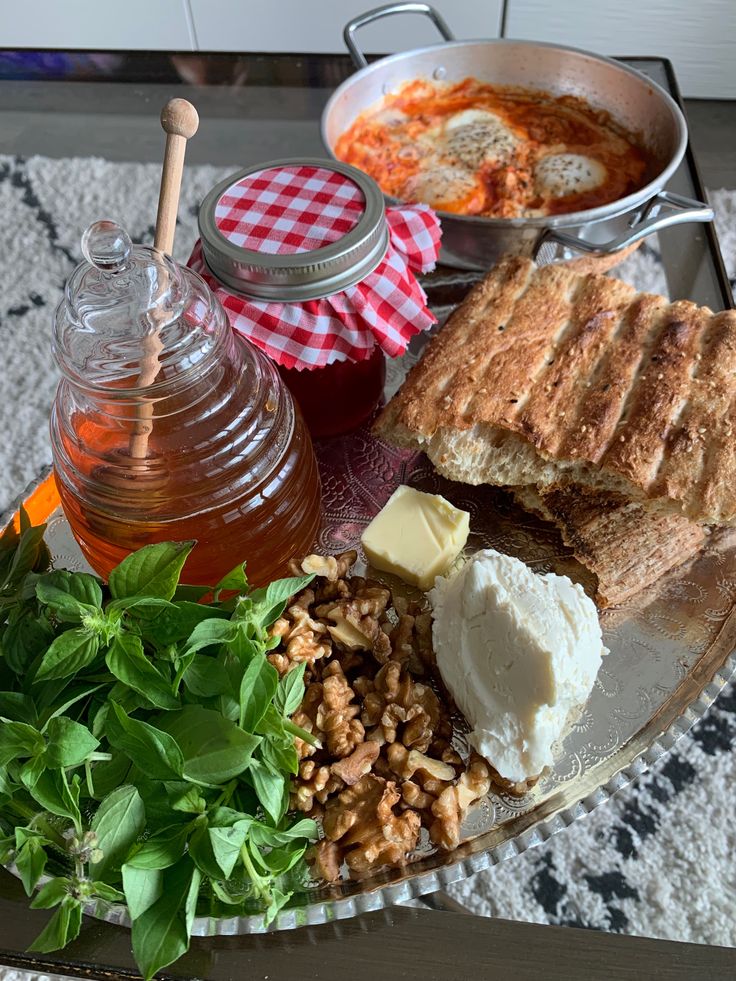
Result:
pixel 559 372
pixel 627 545
pixel 716 405
pixel 518 359
pixel 616 375
pixel 551 415
pixel 655 400
pixel 448 383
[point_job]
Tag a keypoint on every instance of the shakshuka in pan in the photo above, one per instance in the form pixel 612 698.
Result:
pixel 477 149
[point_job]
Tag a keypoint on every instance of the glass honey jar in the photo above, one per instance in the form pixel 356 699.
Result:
pixel 170 426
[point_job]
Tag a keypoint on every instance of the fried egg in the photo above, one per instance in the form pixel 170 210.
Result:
pixel 561 174
pixel 477 136
pixel 446 187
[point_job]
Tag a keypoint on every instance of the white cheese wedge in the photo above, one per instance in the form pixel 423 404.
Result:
pixel 519 653
pixel 416 536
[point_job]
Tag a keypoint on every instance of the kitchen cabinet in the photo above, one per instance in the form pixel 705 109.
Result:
pixel 700 39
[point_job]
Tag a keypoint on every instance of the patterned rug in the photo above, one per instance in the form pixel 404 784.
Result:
pixel 658 860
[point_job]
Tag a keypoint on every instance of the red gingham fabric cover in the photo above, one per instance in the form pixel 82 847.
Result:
pixel 301 208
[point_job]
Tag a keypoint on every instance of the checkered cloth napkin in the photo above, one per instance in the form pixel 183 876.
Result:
pixel 294 209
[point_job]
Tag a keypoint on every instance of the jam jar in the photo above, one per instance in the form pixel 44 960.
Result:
pixel 169 426
pixel 312 268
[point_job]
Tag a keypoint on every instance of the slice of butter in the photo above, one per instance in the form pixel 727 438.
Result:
pixel 416 536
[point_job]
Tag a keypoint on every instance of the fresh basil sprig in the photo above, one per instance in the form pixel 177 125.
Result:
pixel 146 746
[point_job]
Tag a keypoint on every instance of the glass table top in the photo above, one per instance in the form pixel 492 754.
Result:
pixel 254 108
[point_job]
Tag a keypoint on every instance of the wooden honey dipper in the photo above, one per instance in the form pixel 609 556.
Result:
pixel 180 121
pixel 135 468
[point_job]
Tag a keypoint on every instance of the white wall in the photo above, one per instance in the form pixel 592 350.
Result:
pixel 317 25
pixel 699 36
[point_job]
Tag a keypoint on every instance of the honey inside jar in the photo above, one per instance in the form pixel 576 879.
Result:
pixel 228 461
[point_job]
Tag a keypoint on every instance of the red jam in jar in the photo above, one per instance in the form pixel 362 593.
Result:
pixel 339 397
pixel 307 264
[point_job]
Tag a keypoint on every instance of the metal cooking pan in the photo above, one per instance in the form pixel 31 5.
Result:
pixel 634 101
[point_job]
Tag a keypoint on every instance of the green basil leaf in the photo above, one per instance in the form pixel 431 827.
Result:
pixel 272 789
pixel 283 589
pixel 272 723
pixel 50 789
pixel 278 901
pixel 231 893
pixel 68 654
pixel 290 693
pixel 61 929
pixel 190 904
pixel 29 554
pixel 161 851
pixel 226 844
pixel 200 851
pixel 71 696
pixel 160 935
pixel 25 638
pixel 69 743
pixel 70 595
pixel 189 800
pixel 228 706
pixel 259 684
pixel 144 607
pixel 215 750
pixel 206 677
pixel 152 750
pixel 7 844
pixel 280 754
pixel 51 894
pixel 129 664
pixel 31 771
pixel 142 887
pixel 244 648
pixel 264 836
pixel 153 570
pixel 278 861
pixel 109 774
pixel 211 632
pixel 235 579
pixel 192 594
pixel 226 817
pixel 175 624
pixel 127 699
pixel 108 893
pixel 118 821
pixel 30 860
pixel 18 739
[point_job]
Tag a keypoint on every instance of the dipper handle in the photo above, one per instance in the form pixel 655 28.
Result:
pixel 179 120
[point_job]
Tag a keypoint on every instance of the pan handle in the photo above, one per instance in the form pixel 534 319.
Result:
pixel 390 8
pixel 661 211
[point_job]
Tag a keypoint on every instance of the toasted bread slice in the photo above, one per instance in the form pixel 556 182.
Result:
pixel 627 545
pixel 544 375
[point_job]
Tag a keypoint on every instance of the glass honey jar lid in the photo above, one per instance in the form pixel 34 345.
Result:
pixel 131 316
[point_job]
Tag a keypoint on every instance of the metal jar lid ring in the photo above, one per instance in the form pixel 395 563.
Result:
pixel 305 274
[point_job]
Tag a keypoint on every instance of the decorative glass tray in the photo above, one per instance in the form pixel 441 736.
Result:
pixel 671 651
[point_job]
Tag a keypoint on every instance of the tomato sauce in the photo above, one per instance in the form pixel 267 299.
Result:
pixel 414 144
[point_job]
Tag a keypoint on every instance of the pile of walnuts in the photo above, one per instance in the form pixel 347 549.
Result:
pixel 385 766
